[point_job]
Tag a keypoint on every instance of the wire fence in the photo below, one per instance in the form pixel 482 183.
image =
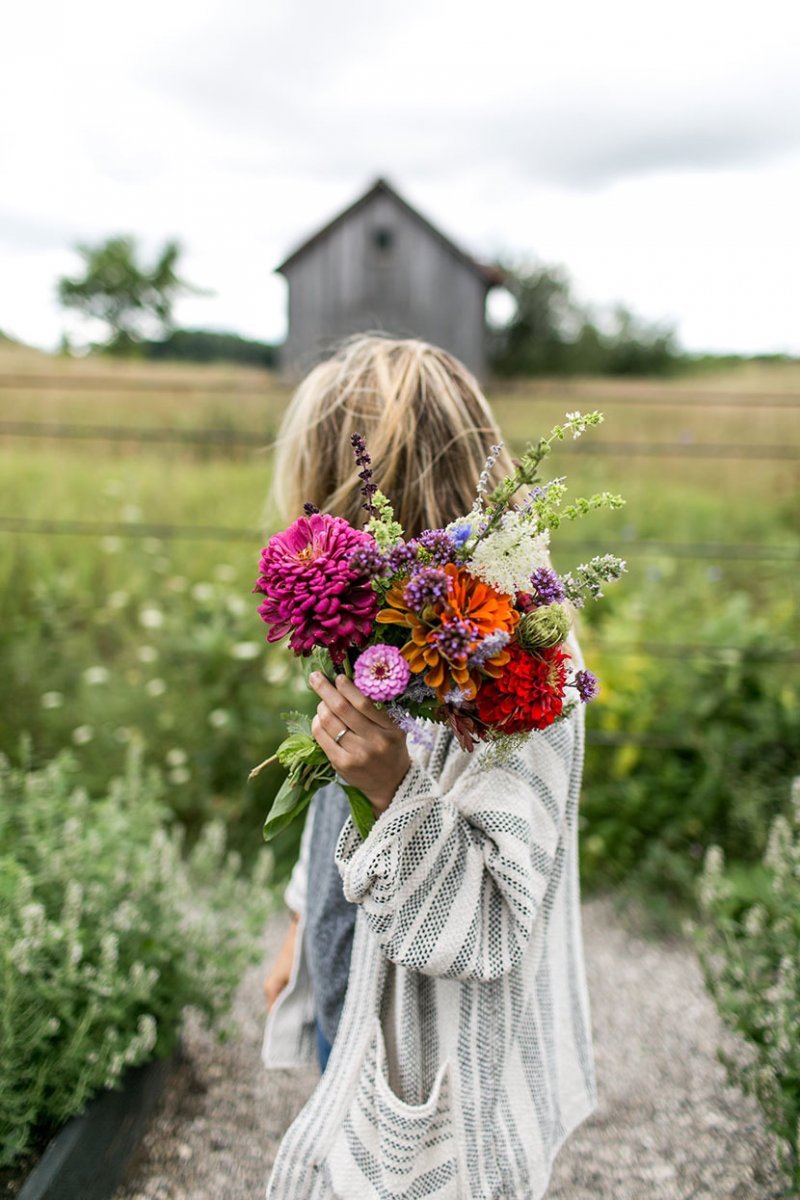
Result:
pixel 259 441
pixel 646 396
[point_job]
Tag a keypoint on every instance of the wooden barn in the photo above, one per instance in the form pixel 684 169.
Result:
pixel 380 265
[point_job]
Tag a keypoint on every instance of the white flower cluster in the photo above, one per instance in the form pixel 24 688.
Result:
pixel 506 557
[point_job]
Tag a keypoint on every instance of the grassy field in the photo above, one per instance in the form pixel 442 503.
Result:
pixel 711 532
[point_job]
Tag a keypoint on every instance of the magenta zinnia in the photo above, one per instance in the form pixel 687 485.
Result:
pixel 311 590
pixel 381 673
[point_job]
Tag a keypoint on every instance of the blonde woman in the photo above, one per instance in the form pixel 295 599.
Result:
pixel 462 1054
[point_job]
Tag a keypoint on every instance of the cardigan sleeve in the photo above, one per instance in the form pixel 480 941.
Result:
pixel 450 879
pixel 296 889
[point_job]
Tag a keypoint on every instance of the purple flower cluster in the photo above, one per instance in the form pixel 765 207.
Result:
pixel 549 588
pixel 439 545
pixel 368 560
pixel 492 644
pixel 455 639
pixel 587 685
pixel 364 461
pixel 427 586
pixel 401 555
pixel 416 732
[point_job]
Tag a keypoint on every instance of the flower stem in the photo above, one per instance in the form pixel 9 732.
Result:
pixel 257 770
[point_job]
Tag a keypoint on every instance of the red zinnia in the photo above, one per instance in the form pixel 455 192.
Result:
pixel 529 692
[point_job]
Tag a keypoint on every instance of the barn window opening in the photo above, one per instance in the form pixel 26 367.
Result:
pixel 383 238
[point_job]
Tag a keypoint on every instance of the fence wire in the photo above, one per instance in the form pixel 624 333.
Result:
pixel 227 439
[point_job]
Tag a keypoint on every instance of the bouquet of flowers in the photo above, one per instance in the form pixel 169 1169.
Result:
pixel 464 625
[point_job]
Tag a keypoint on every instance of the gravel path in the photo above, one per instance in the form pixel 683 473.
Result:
pixel 668 1127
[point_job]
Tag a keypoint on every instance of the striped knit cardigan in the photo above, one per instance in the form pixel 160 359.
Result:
pixel 464 1056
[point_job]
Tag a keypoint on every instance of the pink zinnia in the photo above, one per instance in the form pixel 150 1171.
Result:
pixel 310 589
pixel 381 673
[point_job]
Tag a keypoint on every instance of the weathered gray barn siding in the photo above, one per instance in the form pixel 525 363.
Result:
pixel 383 267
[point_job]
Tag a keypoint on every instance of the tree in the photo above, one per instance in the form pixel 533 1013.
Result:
pixel 545 322
pixel 117 289
pixel 550 333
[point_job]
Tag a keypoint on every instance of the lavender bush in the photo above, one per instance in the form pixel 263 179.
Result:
pixel 108 931
pixel 748 951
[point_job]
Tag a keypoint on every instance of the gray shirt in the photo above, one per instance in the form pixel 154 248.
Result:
pixel 330 919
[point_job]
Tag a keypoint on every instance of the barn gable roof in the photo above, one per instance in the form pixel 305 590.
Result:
pixel 491 275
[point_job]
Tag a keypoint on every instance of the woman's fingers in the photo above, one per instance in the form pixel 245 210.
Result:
pixel 362 703
pixel 340 702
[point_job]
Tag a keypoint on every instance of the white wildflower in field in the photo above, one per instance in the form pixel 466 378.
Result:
pixel 179 775
pixel 203 592
pixel 155 687
pixel 82 734
pixel 111 544
pixel 245 650
pixel 176 757
pixel 277 671
pixel 95 675
pixel 118 599
pixel 218 718
pixel 225 572
pixel 151 617
pixel 146 654
pixel 506 558
pixel 577 423
pixel 236 605
pixel 52 699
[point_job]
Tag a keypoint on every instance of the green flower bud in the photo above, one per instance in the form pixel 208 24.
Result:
pixel 543 627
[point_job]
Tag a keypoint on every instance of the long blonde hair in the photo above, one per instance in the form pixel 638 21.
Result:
pixel 426 422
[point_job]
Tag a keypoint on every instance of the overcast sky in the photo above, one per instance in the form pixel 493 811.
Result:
pixel 651 148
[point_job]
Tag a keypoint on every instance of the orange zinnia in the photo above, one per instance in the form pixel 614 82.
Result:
pixel 469 600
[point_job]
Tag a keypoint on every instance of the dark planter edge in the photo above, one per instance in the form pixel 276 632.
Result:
pixel 86 1159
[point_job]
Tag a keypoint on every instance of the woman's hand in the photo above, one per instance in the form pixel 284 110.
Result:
pixel 372 755
pixel 280 972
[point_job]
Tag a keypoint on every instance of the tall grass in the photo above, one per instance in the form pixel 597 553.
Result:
pixel 203 691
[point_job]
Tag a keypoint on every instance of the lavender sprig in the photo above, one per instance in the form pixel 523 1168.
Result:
pixel 492 644
pixel 488 466
pixel 363 460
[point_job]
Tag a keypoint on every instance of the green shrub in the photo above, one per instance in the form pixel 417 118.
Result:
pixel 749 955
pixel 106 643
pixel 107 933
pixel 717 735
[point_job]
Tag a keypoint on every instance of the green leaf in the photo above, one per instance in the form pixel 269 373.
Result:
pixel 288 804
pixel 361 809
pixel 318 660
pixel 297 722
pixel 299 748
